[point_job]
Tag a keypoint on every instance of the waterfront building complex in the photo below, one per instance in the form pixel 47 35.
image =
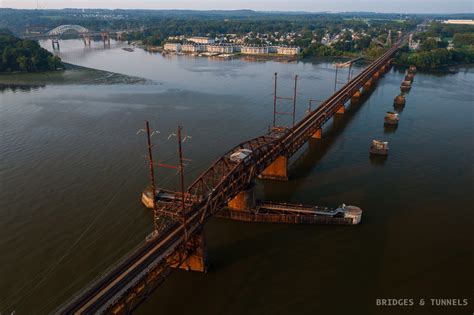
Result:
pixel 229 48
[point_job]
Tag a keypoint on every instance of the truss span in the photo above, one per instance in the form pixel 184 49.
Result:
pixel 63 29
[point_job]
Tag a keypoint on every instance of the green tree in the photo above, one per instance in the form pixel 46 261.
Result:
pixel 22 61
pixel 429 44
pixel 24 55
pixel 463 39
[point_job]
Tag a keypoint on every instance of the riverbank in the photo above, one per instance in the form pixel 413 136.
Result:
pixel 71 74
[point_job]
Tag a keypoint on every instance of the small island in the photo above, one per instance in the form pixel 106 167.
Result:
pixel 19 55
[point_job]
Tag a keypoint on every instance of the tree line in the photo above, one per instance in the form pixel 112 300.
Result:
pixel 24 55
pixel 440 45
pixel 370 42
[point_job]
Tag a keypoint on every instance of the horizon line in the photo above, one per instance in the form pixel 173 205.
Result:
pixel 236 10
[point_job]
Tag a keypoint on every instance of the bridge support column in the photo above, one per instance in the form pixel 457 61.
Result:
pixel 368 85
pixel 376 75
pixel 341 109
pixel 278 170
pixel 87 40
pixel 356 95
pixel 55 43
pixel 244 200
pixel 317 134
pixel 196 254
pixel 106 39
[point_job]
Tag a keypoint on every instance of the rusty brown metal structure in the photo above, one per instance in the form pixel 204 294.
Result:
pixel 181 243
pixel 152 173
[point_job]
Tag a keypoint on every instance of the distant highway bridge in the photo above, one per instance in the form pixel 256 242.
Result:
pixel 181 244
pixel 86 34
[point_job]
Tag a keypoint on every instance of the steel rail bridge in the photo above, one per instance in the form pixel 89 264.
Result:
pixel 130 281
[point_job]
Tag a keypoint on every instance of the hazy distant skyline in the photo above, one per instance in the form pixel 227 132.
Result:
pixel 383 6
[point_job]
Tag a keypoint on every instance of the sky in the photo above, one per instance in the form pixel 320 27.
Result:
pixel 396 6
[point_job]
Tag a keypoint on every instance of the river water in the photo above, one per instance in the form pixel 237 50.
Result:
pixel 72 168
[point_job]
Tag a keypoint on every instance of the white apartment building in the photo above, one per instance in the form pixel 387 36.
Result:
pixel 172 47
pixel 201 40
pixel 191 47
pixel 221 48
pixel 288 50
pixel 254 50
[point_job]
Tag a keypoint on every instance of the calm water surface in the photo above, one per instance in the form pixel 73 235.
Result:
pixel 72 169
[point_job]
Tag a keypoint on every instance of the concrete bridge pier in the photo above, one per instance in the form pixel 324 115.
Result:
pixel 356 95
pixel 87 40
pixel 387 66
pixel 55 43
pixel 245 200
pixel 318 134
pixel 105 39
pixel 341 109
pixel 278 170
pixel 368 85
pixel 196 254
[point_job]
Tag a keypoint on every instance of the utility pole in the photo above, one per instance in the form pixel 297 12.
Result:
pixel 275 99
pixel 152 177
pixel 180 214
pixel 349 73
pixel 181 173
pixel 181 170
pixel 294 100
pixel 310 102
